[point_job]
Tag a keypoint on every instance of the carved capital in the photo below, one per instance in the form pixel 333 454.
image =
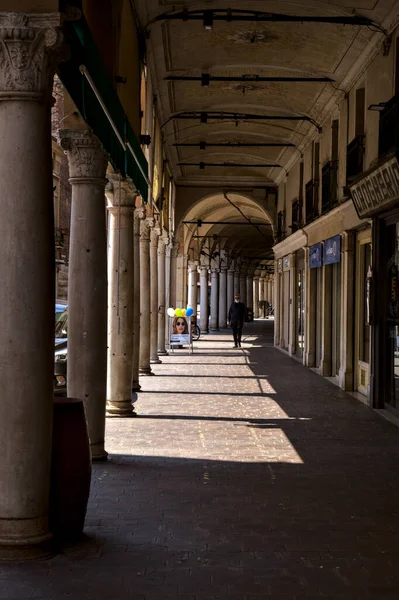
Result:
pixel 139 213
pixel 145 229
pixel 174 249
pixel 154 236
pixel 120 192
pixel 163 242
pixel 87 159
pixel 29 44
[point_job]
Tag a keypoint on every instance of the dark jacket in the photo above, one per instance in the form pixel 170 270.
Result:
pixel 237 314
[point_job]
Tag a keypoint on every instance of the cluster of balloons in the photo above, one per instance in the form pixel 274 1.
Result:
pixel 180 312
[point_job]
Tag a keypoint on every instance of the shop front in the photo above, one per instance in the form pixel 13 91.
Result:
pixel 376 195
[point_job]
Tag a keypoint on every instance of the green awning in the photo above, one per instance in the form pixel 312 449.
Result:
pixel 117 138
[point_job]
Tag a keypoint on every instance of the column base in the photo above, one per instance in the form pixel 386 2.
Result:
pixel 120 409
pixel 98 452
pixel 155 361
pixel 136 387
pixel 25 549
pixel 163 353
pixel 145 371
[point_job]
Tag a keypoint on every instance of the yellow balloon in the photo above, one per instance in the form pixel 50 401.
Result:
pixel 183 312
pixel 178 312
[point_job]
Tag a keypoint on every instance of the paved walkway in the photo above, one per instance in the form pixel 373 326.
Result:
pixel 246 476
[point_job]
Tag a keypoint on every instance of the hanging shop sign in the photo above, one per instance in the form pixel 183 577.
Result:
pixel 332 250
pixel 286 263
pixel 315 256
pixel 280 265
pixel 377 189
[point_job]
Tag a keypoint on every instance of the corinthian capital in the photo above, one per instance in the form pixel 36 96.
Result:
pixel 87 159
pixel 145 229
pixel 155 233
pixel 28 45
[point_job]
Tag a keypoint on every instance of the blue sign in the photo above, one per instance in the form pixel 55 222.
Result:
pixel 315 256
pixel 332 250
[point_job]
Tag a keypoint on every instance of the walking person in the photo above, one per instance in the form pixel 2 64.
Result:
pixel 236 319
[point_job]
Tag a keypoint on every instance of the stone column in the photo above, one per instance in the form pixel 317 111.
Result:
pixel 223 298
pixel 204 306
pixel 173 274
pixel 261 288
pixel 193 286
pixel 243 287
pixel 214 300
pixel 250 291
pixel 236 284
pixel 293 300
pixel 277 312
pixel 326 307
pixel 163 241
pixel 230 288
pixel 181 280
pixel 347 302
pixel 145 297
pixel 154 300
pixel 87 282
pixel 121 197
pixel 139 215
pixel 256 296
pixel 27 271
pixel 310 311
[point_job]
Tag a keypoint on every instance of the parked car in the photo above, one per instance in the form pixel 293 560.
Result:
pixel 60 353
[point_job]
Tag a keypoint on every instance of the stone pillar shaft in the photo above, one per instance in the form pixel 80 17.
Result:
pixel 193 287
pixel 204 305
pixel 161 294
pixel 250 291
pixel 256 297
pixel 230 289
pixel 139 215
pixel 214 300
pixel 347 300
pixel 87 283
pixel 145 297
pixel 154 299
pixel 120 298
pixel 223 298
pixel 236 284
pixel 243 288
pixel 292 341
pixel 27 268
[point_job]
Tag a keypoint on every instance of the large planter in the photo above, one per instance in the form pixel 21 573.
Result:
pixel 70 469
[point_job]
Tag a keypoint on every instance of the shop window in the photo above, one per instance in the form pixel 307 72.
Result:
pixel 365 261
pixel 280 226
pixel 388 127
pixel 309 201
pixel 328 186
pixel 354 157
pixel 295 216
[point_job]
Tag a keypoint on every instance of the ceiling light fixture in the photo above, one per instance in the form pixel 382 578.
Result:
pixel 238 117
pixel 205 79
pixel 208 19
pixel 377 107
pixel 204 145
pixel 202 165
pixel 209 16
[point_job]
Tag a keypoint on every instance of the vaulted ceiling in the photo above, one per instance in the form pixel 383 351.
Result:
pixel 183 47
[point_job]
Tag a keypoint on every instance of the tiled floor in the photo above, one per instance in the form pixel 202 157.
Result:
pixel 245 476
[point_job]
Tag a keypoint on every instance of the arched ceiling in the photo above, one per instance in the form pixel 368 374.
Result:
pixel 232 49
pixel 239 226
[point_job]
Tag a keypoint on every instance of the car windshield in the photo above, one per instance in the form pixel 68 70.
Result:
pixel 61 327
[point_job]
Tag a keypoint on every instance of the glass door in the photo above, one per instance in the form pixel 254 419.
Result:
pixel 300 312
pixel 336 320
pixel 362 347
